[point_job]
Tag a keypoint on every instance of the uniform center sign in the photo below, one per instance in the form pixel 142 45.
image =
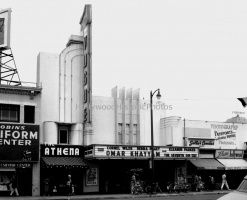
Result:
pixel 19 142
pixel 140 152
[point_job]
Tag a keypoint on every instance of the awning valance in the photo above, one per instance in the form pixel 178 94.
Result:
pixel 207 163
pixel 233 164
pixel 64 162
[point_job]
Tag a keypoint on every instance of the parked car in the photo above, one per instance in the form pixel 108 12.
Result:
pixel 239 194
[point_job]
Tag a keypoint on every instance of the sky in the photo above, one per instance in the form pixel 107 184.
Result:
pixel 194 51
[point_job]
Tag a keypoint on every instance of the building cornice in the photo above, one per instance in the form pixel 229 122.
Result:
pixel 20 90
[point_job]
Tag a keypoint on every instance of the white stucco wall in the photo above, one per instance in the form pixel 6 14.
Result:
pixel 70 84
pixel 61 77
pixel 171 133
pixel 48 78
pixel 103 120
pixel 145 122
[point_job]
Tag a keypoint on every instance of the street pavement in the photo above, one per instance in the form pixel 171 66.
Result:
pixel 113 196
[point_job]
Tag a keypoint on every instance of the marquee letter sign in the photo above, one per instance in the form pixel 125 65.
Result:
pixel 86 29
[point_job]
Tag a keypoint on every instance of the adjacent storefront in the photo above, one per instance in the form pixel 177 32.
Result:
pixel 235 165
pixel 59 161
pixel 214 162
pixel 19 150
pixel 117 163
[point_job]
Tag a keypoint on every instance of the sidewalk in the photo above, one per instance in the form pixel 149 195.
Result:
pixel 112 196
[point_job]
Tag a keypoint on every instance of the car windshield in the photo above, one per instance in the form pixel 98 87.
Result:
pixel 243 186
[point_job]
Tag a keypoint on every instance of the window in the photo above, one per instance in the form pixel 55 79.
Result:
pixel 134 134
pixel 63 135
pixel 9 113
pixel 120 130
pixel 29 114
pixel 127 134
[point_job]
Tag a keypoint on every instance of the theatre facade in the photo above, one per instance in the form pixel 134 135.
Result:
pixel 108 138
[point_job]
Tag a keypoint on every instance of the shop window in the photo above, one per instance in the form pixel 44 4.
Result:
pixel 120 131
pixel 29 114
pixel 5 176
pixel 9 113
pixel 63 135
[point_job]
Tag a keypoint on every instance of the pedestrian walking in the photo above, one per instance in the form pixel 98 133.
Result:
pixel 13 186
pixel 224 182
pixel 133 182
pixel 199 184
pixel 195 182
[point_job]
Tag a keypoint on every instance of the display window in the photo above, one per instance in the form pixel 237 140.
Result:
pixel 5 175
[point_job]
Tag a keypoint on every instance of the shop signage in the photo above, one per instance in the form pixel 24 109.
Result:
pixel 225 135
pixel 141 152
pixel 15 165
pixel 201 142
pixel 61 150
pixel 229 154
pixel 19 142
pixel 91 177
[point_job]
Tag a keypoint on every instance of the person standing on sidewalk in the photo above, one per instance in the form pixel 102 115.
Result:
pixel 224 182
pixel 212 183
pixel 69 185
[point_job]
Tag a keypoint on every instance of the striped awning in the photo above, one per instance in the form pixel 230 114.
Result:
pixel 207 163
pixel 233 164
pixel 64 162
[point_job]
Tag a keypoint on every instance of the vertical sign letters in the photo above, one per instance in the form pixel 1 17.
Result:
pixel 85 22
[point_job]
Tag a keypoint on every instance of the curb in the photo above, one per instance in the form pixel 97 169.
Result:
pixel 114 196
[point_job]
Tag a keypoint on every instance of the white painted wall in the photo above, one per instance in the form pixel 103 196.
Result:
pixel 171 133
pixel 145 122
pixel 103 120
pixel 70 84
pixel 48 78
pixel 61 77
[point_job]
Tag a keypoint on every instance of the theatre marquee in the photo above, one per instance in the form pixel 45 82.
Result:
pixel 140 152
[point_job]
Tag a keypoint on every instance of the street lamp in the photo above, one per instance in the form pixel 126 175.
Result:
pixel 152 134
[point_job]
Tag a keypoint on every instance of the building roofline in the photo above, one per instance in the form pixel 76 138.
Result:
pixel 23 90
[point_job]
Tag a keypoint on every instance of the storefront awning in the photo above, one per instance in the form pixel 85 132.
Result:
pixel 64 162
pixel 233 164
pixel 210 164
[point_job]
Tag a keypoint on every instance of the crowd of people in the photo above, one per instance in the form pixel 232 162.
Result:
pixel 197 184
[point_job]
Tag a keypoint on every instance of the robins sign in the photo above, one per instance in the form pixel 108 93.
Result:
pixel 19 142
